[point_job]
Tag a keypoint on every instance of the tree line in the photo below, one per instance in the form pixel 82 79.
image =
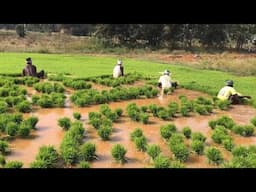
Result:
pixel 154 36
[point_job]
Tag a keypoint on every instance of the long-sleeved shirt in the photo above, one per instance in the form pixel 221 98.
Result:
pixel 226 92
pixel 117 71
pixel 30 70
pixel 165 80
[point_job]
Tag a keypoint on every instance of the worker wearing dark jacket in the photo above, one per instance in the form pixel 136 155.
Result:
pixel 30 70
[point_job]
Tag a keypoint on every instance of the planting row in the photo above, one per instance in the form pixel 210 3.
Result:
pixel 11 90
pixel 14 124
pixel 112 82
pixel 225 123
pixel 141 113
pixel 181 151
pixel 102 121
pixel 20 103
pixel 47 87
pixel 49 100
pixel 107 80
pixel 28 81
pixel 89 97
pixel 76 84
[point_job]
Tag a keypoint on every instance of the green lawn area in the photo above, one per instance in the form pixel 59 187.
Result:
pixel 84 66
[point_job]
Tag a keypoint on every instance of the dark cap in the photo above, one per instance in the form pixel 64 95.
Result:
pixel 28 59
pixel 229 83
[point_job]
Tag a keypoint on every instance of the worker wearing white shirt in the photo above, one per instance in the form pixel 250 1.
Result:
pixel 165 80
pixel 118 70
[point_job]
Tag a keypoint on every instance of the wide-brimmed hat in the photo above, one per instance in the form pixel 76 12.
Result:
pixel 119 62
pixel 166 72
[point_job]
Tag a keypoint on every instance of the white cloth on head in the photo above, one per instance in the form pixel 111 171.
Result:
pixel 165 80
pixel 117 71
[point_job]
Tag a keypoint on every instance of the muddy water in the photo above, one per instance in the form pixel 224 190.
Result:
pixel 48 132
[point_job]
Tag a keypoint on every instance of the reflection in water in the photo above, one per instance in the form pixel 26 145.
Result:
pixel 49 133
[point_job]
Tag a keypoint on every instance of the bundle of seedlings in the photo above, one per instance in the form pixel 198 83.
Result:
pixel 47 157
pixel 102 124
pixel 136 114
pixel 47 87
pixel 57 77
pixel 87 152
pixel 178 147
pixel 139 139
pixel 76 84
pixel 220 136
pixel 243 157
pixel 118 153
pixel 224 121
pixel 153 151
pixel 244 130
pixel 49 100
pixel 214 156
pixel 166 131
pixel 69 148
pixel 13 165
pixel 198 143
pixel 14 124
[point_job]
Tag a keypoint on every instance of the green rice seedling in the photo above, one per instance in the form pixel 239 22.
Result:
pixel 84 164
pixel 187 132
pixel 64 123
pixel 253 121
pixel 197 146
pixel 118 153
pixel 87 152
pixel 198 136
pixel 136 133
pixel 166 131
pixel 214 155
pixel 77 115
pixel 141 143
pixel 153 151
pixel 161 162
pixel 144 118
pixel 105 132
pixel 13 164
pixel 24 107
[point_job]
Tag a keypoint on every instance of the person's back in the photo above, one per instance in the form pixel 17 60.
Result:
pixel 165 81
pixel 30 70
pixel 226 92
pixel 118 70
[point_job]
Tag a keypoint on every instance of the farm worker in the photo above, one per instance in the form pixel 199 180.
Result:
pixel 118 69
pixel 229 93
pixel 30 70
pixel 165 81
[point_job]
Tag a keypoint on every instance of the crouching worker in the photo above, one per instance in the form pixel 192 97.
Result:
pixel 165 82
pixel 118 70
pixel 229 93
pixel 30 70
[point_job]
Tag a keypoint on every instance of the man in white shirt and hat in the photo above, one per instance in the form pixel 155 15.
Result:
pixel 118 69
pixel 165 82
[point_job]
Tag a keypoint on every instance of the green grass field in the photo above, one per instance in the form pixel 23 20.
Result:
pixel 85 66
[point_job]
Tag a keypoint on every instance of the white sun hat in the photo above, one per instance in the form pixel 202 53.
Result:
pixel 166 72
pixel 119 62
